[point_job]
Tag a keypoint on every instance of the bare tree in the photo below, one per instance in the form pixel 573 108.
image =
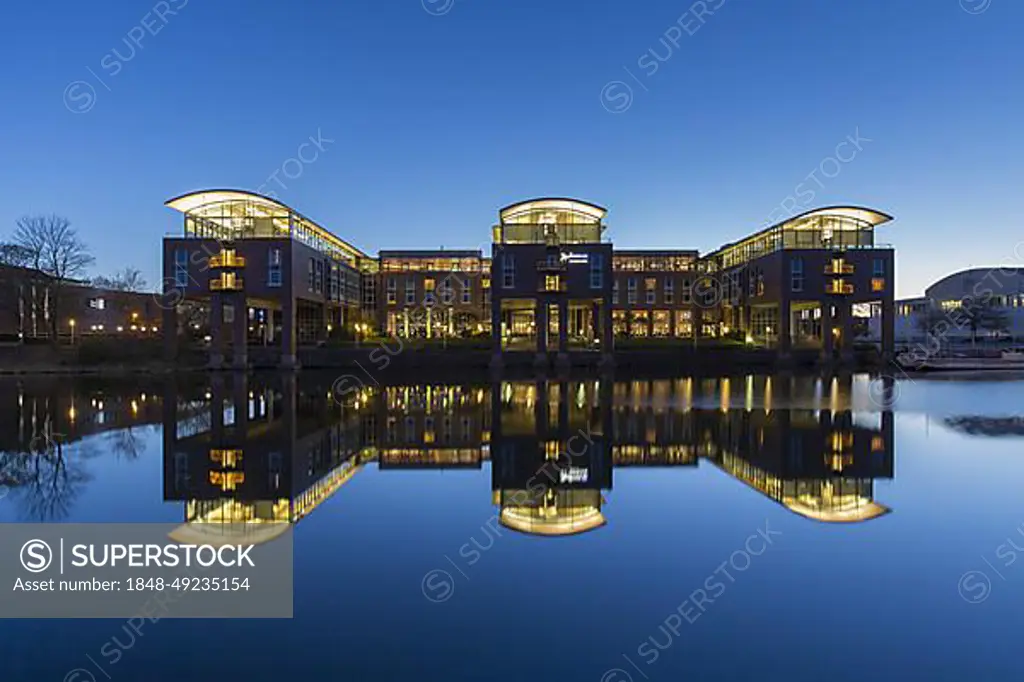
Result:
pixel 129 279
pixel 56 250
pixel 15 254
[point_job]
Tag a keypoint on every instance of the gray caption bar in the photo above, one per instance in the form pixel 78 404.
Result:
pixel 156 570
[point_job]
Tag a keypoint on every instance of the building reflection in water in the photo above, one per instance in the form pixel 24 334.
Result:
pixel 253 454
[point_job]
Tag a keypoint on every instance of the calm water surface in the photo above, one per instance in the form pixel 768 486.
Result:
pixel 782 528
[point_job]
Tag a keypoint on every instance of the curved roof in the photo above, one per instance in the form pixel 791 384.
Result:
pixel 965 280
pixel 554 204
pixel 191 201
pixel 863 512
pixel 558 525
pixel 228 534
pixel 861 213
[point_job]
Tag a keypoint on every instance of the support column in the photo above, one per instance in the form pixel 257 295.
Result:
pixel 846 325
pixel 563 325
pixel 169 325
pixel 827 339
pixel 596 332
pixel 540 319
pixel 288 345
pixel 672 323
pixel 650 323
pixel 216 331
pixel 785 328
pixel 240 338
pixel 496 326
pixel 888 329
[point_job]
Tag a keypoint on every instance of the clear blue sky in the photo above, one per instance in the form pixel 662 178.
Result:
pixel 441 111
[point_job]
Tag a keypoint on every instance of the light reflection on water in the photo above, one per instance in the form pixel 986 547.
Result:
pixel 646 483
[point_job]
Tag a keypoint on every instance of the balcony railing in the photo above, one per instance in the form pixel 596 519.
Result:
pixel 840 288
pixel 842 269
pixel 227 261
pixel 551 266
pixel 560 288
pixel 235 284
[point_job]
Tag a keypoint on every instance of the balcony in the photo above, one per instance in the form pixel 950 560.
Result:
pixel 839 268
pixel 839 287
pixel 227 284
pixel 227 260
pixel 544 266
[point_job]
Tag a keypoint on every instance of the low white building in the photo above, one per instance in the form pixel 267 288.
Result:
pixel 1002 288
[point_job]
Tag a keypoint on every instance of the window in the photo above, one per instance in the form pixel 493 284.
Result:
pixel 392 291
pixel 796 272
pixel 649 286
pixel 312 273
pixel 615 292
pixel 687 295
pixel 410 292
pixel 551 283
pixel 669 291
pixel 631 290
pixel 97 303
pixel 369 292
pixel 751 283
pixel 596 270
pixel 318 277
pixel 181 268
pixel 274 267
pixel 467 292
pixel 508 270
pixel 878 267
pixel 877 284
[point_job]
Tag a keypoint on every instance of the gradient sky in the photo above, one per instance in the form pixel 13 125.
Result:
pixel 442 111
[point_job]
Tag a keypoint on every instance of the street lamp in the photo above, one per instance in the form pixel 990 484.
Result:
pixel 71 323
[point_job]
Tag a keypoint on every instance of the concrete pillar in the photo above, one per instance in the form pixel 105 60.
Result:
pixel 607 331
pixel 496 325
pixel 888 328
pixel 240 339
pixel 697 322
pixel 672 323
pixel 785 328
pixel 169 326
pixel 240 402
pixel 827 322
pixel 217 397
pixel 845 310
pixel 563 325
pixel 596 321
pixel 650 324
pixel 540 314
pixel 216 331
pixel 288 344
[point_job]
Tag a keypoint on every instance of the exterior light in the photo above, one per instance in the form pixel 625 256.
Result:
pixel 330 327
pixel 120 328
pixel 750 339
pixel 135 316
pixel 153 329
pixel 134 327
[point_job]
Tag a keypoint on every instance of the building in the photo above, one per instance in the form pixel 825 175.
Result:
pixel 29 301
pixel 553 284
pixel 998 291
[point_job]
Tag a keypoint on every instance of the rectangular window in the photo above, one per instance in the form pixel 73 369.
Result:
pixel 467 292
pixel 796 272
pixel 312 274
pixel 687 295
pixel 615 292
pixel 878 268
pixel 551 283
pixel 649 286
pixel 669 291
pixel 97 303
pixel 508 270
pixel 410 292
pixel 596 270
pixel 392 291
pixel 181 268
pixel 631 291
pixel 877 284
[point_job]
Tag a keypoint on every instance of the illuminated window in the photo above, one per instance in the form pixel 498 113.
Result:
pixel 428 284
pixel 410 292
pixel 551 283
pixel 392 291
pixel 649 286
pixel 877 284
pixel 631 291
